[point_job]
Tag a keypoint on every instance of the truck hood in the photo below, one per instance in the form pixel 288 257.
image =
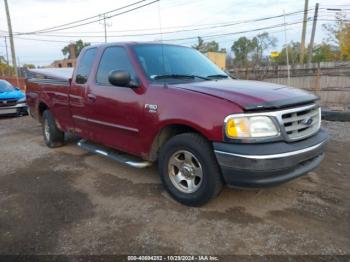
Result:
pixel 252 95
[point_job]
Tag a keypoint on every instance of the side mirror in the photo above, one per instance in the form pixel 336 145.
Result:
pixel 121 78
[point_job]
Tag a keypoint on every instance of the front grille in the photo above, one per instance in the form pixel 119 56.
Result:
pixel 8 102
pixel 301 123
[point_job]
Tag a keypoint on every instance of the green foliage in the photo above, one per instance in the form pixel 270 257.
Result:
pixel 204 47
pixel 252 50
pixel 338 33
pixel 321 53
pixel 6 70
pixel 30 66
pixel 78 45
pixel 242 48
pixel 324 53
pixel 261 43
pixel 293 54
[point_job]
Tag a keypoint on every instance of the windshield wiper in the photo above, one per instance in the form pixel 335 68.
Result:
pixel 218 76
pixel 179 76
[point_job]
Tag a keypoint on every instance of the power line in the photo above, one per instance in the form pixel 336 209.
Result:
pixel 144 29
pixel 204 36
pixel 242 32
pixel 42 40
pixel 87 23
pixel 250 31
pixel 230 40
pixel 153 29
pixel 178 39
pixel 49 40
pixel 186 30
pixel 234 33
pixel 195 29
pixel 85 19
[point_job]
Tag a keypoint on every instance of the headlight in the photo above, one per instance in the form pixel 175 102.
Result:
pixel 21 100
pixel 250 127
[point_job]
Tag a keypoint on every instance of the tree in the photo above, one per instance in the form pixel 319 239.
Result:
pixel 204 47
pixel 293 54
pixel 242 48
pixel 339 34
pixel 30 66
pixel 199 46
pixel 6 70
pixel 344 41
pixel 324 53
pixel 261 43
pixel 78 46
pixel 211 47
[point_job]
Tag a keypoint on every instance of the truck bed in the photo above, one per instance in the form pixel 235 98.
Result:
pixel 49 85
pixel 53 73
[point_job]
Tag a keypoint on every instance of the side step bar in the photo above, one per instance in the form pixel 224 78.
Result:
pixel 113 154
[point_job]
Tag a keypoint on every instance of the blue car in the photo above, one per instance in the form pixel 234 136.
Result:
pixel 12 100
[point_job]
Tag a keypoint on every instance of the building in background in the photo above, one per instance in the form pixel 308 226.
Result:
pixel 218 58
pixel 67 62
pixel 64 63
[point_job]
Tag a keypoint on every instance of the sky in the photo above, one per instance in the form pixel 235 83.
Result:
pixel 185 19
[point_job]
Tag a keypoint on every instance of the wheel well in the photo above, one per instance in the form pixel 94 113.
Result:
pixel 165 134
pixel 41 109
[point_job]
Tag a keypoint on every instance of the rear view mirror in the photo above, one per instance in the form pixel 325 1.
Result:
pixel 121 78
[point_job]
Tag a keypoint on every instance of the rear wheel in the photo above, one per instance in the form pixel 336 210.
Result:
pixel 189 170
pixel 53 137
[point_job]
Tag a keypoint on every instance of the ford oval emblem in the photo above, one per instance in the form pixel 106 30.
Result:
pixel 307 121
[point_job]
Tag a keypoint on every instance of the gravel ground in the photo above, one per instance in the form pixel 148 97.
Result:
pixel 338 131
pixel 67 201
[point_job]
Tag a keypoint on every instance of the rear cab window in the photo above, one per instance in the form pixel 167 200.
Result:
pixel 85 65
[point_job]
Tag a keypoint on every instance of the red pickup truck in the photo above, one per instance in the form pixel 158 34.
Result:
pixel 139 103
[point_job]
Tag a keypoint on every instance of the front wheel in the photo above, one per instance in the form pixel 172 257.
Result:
pixel 53 137
pixel 189 170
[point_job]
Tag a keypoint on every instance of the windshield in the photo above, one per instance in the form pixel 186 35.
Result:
pixel 6 86
pixel 176 62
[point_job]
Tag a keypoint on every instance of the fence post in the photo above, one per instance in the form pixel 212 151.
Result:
pixel 318 76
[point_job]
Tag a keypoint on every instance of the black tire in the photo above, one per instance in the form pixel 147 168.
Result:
pixel 200 148
pixel 53 137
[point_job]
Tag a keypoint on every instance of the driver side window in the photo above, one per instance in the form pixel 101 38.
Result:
pixel 113 58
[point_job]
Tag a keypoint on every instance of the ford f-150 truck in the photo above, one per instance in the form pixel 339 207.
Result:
pixel 139 103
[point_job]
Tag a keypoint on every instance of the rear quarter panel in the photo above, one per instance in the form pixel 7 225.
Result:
pixel 55 97
pixel 33 96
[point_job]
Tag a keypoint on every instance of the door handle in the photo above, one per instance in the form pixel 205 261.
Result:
pixel 91 97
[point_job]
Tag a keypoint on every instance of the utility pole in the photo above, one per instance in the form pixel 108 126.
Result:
pixel 18 63
pixel 303 34
pixel 105 24
pixel 287 49
pixel 12 45
pixel 311 47
pixel 7 53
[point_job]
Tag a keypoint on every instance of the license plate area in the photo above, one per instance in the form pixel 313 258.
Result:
pixel 8 111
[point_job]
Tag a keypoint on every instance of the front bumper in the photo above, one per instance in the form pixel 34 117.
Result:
pixel 269 164
pixel 19 109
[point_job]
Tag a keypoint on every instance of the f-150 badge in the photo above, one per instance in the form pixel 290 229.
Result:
pixel 151 108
